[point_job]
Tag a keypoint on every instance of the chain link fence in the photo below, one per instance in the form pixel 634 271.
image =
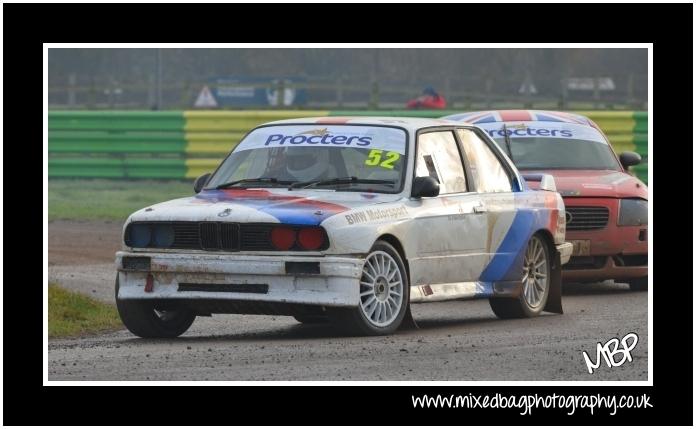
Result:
pixel 625 92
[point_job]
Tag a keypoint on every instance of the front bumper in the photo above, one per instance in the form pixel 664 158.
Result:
pixel 609 269
pixel 242 278
pixel 565 250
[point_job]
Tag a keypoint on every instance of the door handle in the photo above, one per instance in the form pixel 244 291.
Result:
pixel 480 209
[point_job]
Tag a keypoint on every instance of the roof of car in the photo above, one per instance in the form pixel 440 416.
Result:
pixel 404 122
pixel 520 116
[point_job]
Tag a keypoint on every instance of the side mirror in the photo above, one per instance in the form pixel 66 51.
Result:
pixel 546 181
pixel 629 158
pixel 200 182
pixel 425 186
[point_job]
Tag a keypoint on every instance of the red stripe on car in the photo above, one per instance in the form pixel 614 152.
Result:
pixel 514 115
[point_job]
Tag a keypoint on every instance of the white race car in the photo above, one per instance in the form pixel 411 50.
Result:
pixel 347 220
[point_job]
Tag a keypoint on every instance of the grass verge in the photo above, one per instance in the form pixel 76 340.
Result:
pixel 113 200
pixel 71 314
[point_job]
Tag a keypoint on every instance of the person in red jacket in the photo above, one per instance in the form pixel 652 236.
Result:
pixel 429 100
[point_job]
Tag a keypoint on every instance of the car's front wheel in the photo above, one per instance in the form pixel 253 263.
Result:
pixel 147 320
pixel 536 281
pixel 384 295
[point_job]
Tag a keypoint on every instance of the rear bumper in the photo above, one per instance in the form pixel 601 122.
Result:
pixel 314 280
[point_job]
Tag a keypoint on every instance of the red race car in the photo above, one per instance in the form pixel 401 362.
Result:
pixel 606 207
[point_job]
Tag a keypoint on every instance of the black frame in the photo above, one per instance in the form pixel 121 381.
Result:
pixel 67 25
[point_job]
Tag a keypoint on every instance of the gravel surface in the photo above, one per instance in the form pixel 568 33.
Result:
pixel 461 340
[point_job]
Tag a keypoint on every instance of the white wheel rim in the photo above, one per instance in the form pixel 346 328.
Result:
pixel 381 289
pixel 535 273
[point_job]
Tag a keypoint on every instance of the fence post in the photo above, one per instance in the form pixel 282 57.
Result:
pixel 629 90
pixel 71 89
pixel 595 94
pixel 339 91
pixel 91 93
pixel 151 93
pixel 185 94
pixel 158 67
pixel 448 91
pixel 374 96
pixel 110 92
pixel 489 86
pixel 281 93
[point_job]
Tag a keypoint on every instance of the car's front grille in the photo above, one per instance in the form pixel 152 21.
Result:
pixel 255 237
pixel 225 236
pixel 185 235
pixel 210 232
pixel 580 218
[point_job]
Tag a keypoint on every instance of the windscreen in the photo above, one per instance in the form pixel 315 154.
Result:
pixel 553 145
pixel 302 153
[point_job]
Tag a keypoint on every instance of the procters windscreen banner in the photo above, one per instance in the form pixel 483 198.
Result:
pixel 331 136
pixel 542 129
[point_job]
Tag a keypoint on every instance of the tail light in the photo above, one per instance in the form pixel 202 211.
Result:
pixel 311 238
pixel 283 238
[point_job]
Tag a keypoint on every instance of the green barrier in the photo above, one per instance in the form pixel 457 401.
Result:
pixel 116 121
pixel 95 141
pixel 177 145
pixel 136 168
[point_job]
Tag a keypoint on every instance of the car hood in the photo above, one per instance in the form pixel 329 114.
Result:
pixel 298 207
pixel 594 183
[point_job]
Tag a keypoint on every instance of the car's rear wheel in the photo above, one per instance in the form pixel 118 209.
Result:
pixel 639 285
pixel 147 320
pixel 536 282
pixel 384 295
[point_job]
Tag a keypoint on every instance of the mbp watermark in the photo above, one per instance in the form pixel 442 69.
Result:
pixel 609 350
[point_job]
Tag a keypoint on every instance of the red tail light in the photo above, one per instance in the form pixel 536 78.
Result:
pixel 283 238
pixel 311 238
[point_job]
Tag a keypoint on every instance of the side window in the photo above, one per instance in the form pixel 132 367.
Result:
pixel 438 157
pixel 489 173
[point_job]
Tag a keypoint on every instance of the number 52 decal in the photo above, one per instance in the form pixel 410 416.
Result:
pixel 375 158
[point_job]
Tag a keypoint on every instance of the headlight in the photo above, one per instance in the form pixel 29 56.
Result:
pixel 139 235
pixel 633 212
pixel 163 235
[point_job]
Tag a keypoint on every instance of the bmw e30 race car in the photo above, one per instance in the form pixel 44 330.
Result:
pixel 606 207
pixel 348 220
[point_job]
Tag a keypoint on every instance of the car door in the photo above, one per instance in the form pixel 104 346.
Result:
pixel 493 183
pixel 450 231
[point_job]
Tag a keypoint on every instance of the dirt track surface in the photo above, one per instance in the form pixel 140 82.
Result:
pixel 460 340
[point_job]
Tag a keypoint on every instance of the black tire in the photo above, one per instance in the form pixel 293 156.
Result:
pixel 354 321
pixel 639 284
pixel 311 318
pixel 520 307
pixel 142 319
